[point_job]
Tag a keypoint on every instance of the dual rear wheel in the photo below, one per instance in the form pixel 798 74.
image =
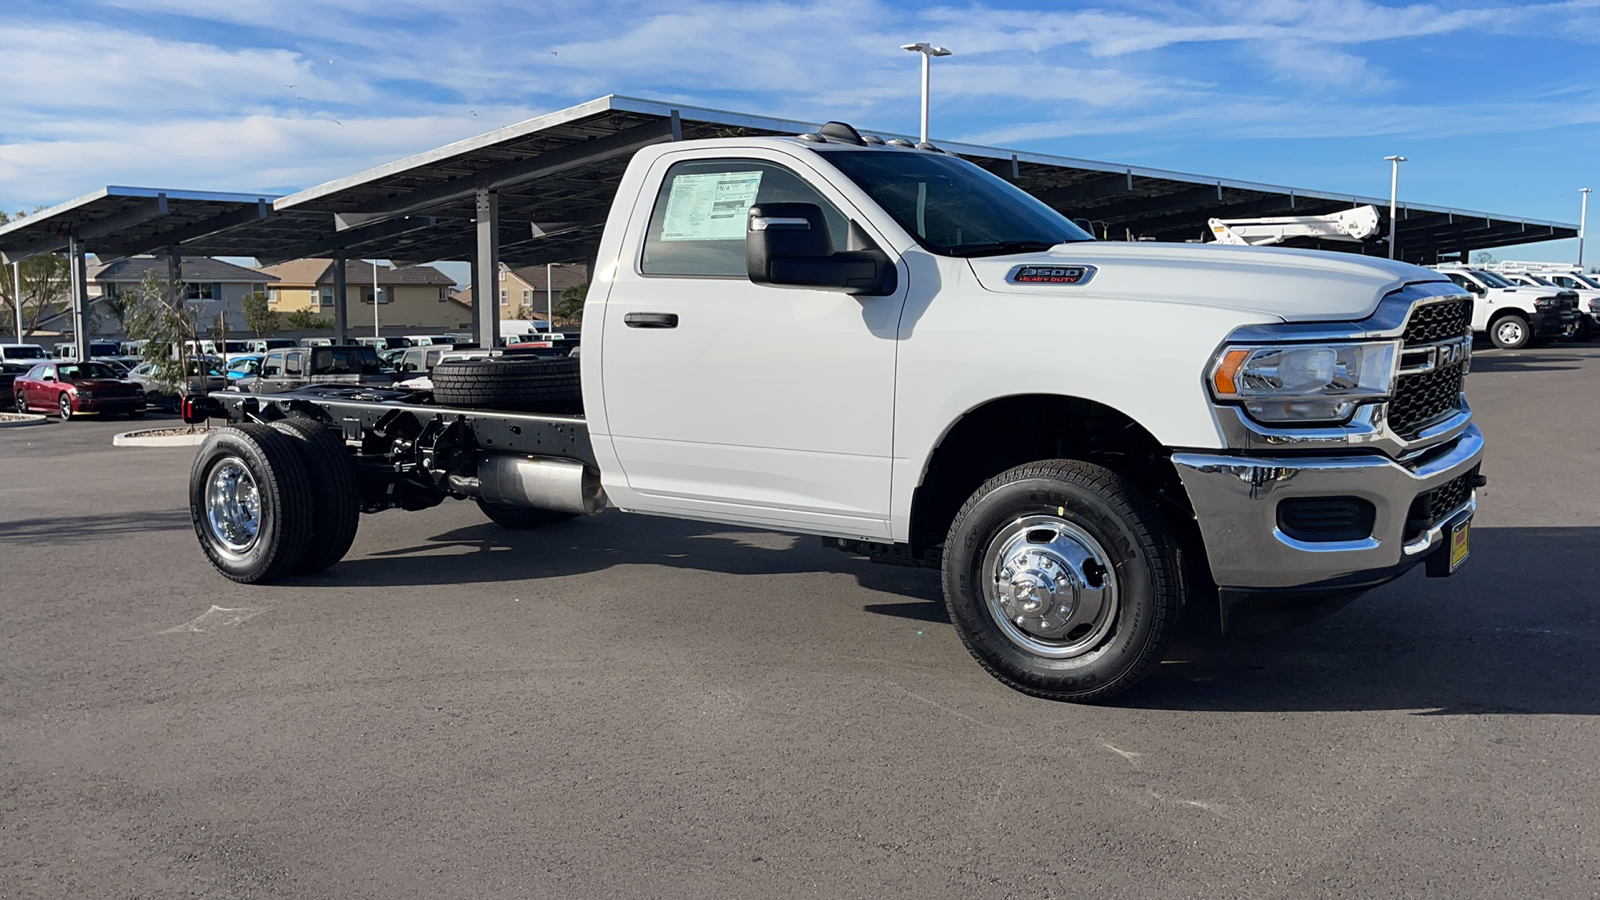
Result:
pixel 272 501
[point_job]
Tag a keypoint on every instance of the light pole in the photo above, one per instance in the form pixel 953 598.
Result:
pixel 928 51
pixel 550 302
pixel 1583 226
pixel 16 273
pixel 1394 191
pixel 377 330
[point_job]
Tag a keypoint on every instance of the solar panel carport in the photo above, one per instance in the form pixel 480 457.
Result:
pixel 538 191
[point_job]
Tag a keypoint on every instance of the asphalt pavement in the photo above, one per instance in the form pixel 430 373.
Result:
pixel 633 707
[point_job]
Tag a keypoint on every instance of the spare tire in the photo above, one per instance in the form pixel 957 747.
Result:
pixel 518 385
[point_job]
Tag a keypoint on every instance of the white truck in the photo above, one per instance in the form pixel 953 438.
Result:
pixel 1585 287
pixel 1512 315
pixel 781 335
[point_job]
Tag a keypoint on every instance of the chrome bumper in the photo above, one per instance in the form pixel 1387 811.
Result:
pixel 1236 498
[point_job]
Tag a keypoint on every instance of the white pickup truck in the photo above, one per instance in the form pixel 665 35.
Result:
pixel 910 357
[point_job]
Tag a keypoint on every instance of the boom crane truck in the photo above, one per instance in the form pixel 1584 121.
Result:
pixel 779 335
pixel 1358 224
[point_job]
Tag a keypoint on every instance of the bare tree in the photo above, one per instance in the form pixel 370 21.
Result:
pixel 168 328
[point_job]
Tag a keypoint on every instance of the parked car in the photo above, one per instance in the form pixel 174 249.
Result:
pixel 28 353
pixel 243 366
pixel 72 388
pixel 422 381
pixel 263 345
pixel 287 370
pixel 67 350
pixel 316 342
pixel 9 372
pixel 123 364
pixel 166 393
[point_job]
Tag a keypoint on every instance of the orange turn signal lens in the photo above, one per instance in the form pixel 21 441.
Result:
pixel 1227 368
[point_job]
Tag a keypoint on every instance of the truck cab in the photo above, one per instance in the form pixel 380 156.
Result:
pixel 1514 315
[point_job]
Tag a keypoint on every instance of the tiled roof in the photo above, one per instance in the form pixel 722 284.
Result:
pixel 320 271
pixel 195 268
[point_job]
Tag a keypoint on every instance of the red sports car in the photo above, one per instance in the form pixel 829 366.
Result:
pixel 71 388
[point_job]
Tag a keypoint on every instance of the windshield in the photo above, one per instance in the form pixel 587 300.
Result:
pixel 25 352
pixel 952 207
pixel 1494 280
pixel 1587 281
pixel 345 361
pixel 86 370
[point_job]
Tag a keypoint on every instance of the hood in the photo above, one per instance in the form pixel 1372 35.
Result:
pixel 107 385
pixel 1294 285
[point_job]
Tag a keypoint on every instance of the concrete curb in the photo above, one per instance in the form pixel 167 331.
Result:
pixel 31 419
pixel 146 439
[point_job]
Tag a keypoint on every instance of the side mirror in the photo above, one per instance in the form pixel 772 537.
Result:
pixel 1085 224
pixel 787 244
pixel 48 378
pixel 1474 288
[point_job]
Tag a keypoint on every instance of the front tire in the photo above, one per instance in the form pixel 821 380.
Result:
pixel 64 404
pixel 251 504
pixel 1063 580
pixel 1510 332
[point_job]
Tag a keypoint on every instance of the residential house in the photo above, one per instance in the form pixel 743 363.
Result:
pixel 413 297
pixel 217 288
pixel 527 287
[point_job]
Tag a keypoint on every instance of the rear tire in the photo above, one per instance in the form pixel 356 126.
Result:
pixel 336 493
pixel 250 501
pixel 1063 581
pixel 1510 332
pixel 518 385
pixel 522 518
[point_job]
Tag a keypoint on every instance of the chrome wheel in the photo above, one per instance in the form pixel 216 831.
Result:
pixel 66 407
pixel 1050 586
pixel 1510 332
pixel 233 505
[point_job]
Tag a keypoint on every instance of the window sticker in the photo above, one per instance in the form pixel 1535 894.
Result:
pixel 710 207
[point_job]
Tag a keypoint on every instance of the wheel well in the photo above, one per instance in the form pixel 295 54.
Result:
pixel 1502 313
pixel 1015 430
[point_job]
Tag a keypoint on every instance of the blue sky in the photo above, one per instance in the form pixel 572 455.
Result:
pixel 1496 103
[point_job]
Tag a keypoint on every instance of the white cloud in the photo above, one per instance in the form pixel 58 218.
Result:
pixel 211 108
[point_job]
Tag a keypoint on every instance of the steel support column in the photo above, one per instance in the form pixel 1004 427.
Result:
pixel 486 271
pixel 80 297
pixel 341 309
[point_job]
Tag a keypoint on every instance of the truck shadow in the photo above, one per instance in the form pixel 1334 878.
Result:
pixel 1515 632
pixel 489 553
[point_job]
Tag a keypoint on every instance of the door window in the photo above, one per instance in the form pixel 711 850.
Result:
pixel 273 367
pixel 701 213
pixel 294 364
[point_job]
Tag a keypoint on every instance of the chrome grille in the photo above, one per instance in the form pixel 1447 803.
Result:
pixel 1422 398
pixel 1434 322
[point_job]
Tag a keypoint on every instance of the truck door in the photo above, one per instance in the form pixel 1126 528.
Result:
pixel 738 402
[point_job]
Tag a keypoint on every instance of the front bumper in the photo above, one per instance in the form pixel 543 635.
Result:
pixel 1554 322
pixel 1235 499
pixel 110 404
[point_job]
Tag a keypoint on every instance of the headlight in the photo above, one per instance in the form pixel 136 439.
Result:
pixel 85 395
pixel 1305 382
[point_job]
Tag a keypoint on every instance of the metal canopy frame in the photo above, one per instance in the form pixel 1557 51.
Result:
pixel 538 192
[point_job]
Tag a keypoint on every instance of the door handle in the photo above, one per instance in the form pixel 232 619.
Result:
pixel 650 320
